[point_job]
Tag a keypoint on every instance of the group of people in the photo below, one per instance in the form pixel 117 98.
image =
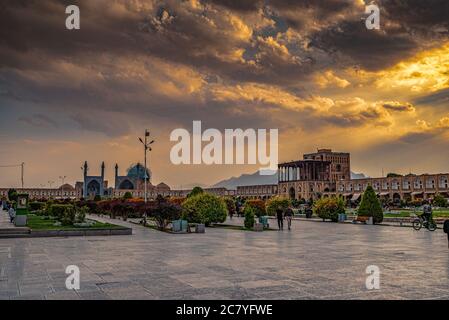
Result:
pixel 286 214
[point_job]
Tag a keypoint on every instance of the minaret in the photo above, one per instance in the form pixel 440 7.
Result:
pixel 85 169
pixel 116 176
pixel 102 180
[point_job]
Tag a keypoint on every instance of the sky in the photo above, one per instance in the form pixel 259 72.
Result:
pixel 310 69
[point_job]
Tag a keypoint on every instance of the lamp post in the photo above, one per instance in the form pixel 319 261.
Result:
pixel 146 146
pixel 50 183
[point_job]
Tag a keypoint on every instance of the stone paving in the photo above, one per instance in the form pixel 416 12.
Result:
pixel 313 261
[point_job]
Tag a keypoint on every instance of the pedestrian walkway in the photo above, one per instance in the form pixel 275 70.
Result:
pixel 4 220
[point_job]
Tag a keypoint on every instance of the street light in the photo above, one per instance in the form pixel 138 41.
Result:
pixel 50 183
pixel 146 146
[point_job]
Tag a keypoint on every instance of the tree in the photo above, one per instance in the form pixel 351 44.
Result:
pixel 195 191
pixel 12 195
pixel 440 201
pixel 370 206
pixel 204 208
pixel 127 195
pixel 249 213
pixel 329 208
pixel 277 203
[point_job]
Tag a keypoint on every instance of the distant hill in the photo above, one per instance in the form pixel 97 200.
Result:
pixel 358 175
pixel 257 179
pixel 247 180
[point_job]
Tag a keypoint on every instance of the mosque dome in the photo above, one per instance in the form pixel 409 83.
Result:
pixel 138 171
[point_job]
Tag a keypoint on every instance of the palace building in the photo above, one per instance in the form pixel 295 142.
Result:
pixel 327 173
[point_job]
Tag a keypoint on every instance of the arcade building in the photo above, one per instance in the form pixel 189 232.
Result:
pixel 326 173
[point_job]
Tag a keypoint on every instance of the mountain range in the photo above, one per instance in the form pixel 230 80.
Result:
pixel 257 179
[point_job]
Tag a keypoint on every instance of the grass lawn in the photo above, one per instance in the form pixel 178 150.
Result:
pixel 407 213
pixel 39 223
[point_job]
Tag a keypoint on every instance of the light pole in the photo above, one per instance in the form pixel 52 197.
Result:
pixel 50 183
pixel 146 146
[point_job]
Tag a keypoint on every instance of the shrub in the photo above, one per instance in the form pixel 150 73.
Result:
pixel 258 206
pixel 36 206
pixel 230 205
pixel 249 213
pixel 370 206
pixel 59 210
pixel 204 208
pixel 97 198
pixel 329 208
pixel 163 212
pixel 277 202
pixel 440 201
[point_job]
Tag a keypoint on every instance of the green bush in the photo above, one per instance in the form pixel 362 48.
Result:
pixel 440 201
pixel 35 206
pixel 258 206
pixel 249 213
pixel 58 210
pixel 329 208
pixel 370 206
pixel 67 214
pixel 204 208
pixel 127 195
pixel 277 203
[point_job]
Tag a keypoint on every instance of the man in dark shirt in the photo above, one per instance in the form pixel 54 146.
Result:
pixel 280 217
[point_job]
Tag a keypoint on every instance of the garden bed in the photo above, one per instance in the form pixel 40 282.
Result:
pixel 41 226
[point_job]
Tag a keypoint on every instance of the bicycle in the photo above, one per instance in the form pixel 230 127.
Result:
pixel 419 222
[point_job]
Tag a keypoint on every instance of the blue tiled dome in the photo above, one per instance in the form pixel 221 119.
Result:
pixel 138 171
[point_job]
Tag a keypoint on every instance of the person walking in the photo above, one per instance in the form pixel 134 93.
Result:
pixel 280 217
pixel 446 230
pixel 12 214
pixel 289 215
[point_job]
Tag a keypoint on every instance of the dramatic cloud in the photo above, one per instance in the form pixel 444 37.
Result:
pixel 310 68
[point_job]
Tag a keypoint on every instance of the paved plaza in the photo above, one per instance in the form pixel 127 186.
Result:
pixel 313 261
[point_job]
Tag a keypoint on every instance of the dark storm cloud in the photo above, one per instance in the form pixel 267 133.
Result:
pixel 369 49
pixel 227 41
pixel 440 97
